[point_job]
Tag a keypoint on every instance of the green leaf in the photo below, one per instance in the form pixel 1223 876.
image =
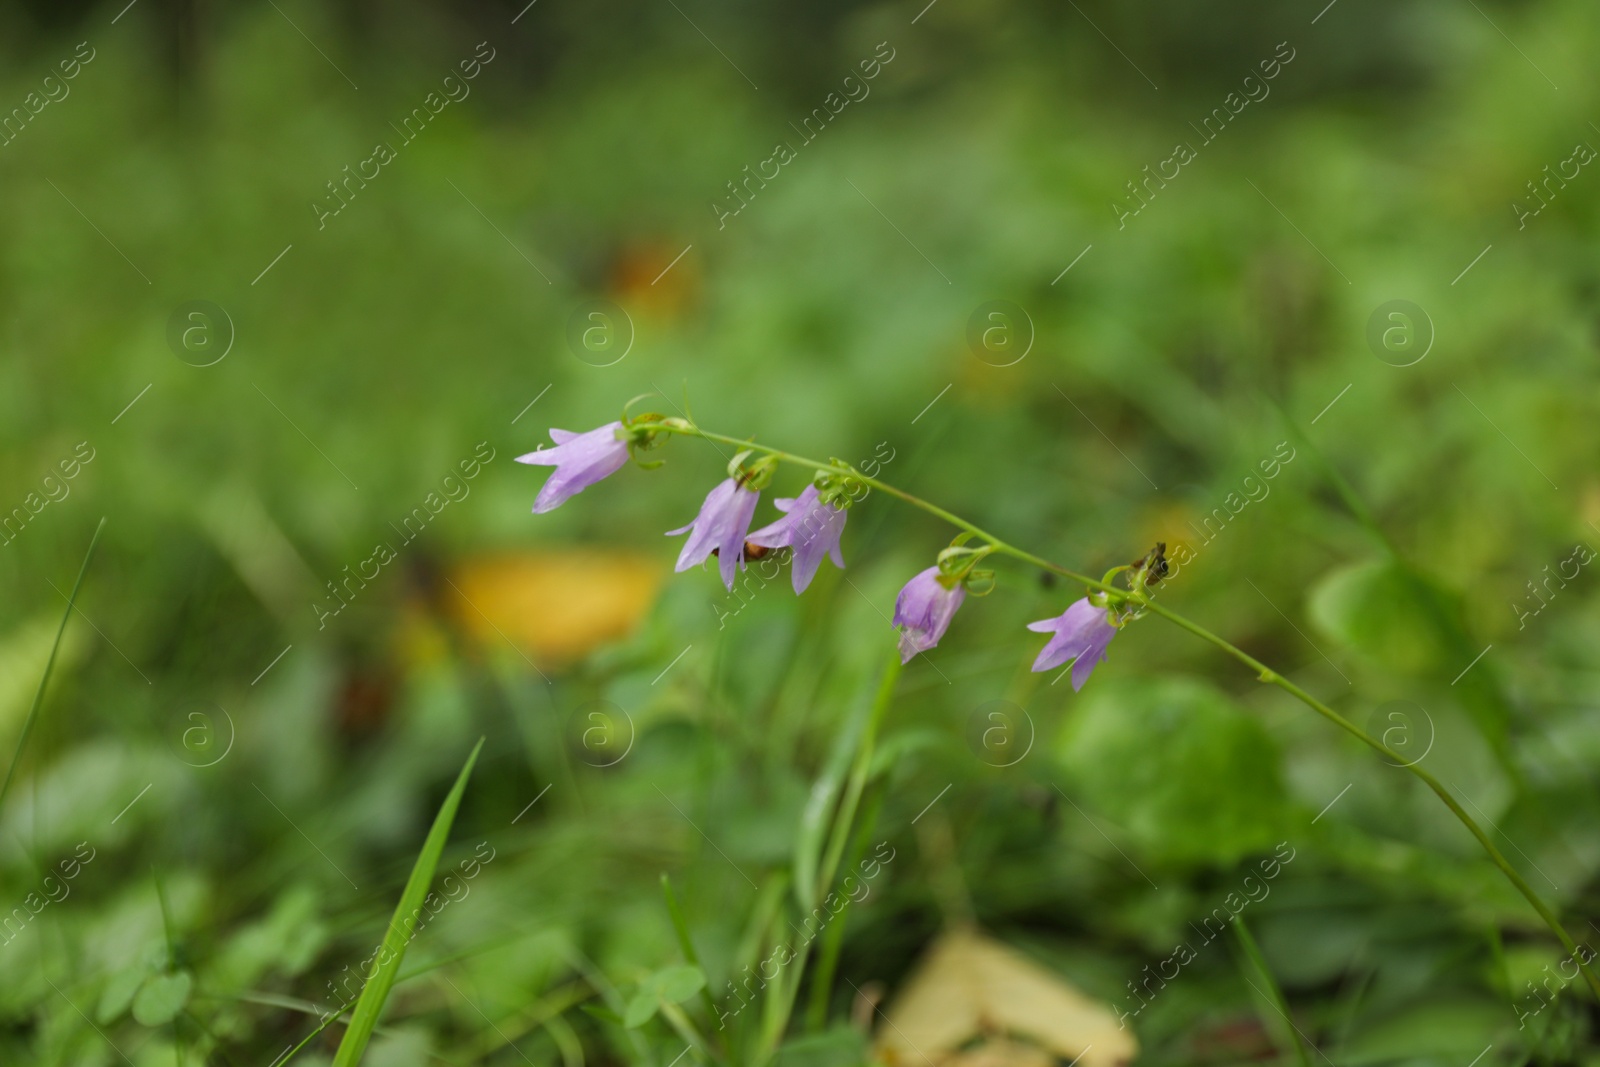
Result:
pixel 671 985
pixel 1178 767
pixel 1277 1021
pixel 902 744
pixel 641 1009
pixel 1402 621
pixel 1447 1029
pixel 118 994
pixel 287 940
pixel 393 948
pixel 677 984
pixel 840 1045
pixel 817 818
pixel 156 958
pixel 685 941
pixel 1381 611
pixel 161 998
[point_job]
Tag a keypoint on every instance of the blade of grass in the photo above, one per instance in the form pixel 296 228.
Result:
pixel 838 837
pixel 393 949
pixel 833 937
pixel 1273 994
pixel 38 698
pixel 166 919
pixel 281 1061
pixel 327 1018
pixel 686 945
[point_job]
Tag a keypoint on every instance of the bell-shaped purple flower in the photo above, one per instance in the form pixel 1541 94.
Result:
pixel 721 526
pixel 925 607
pixel 1082 633
pixel 580 460
pixel 811 528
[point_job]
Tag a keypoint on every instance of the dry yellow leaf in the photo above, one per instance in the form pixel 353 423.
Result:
pixel 656 279
pixel 555 605
pixel 970 986
pixel 1003 1053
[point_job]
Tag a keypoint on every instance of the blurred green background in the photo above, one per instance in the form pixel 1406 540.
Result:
pixel 269 771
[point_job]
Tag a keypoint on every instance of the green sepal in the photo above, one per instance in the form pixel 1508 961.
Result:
pixel 979 582
pixel 626 421
pixel 757 475
pixel 641 434
pixel 958 559
pixel 837 487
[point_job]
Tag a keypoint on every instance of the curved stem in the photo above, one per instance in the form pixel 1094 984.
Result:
pixel 1262 671
pixel 1271 677
pixel 915 501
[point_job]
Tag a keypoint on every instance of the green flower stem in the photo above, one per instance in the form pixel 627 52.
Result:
pixel 1261 670
pixel 1271 677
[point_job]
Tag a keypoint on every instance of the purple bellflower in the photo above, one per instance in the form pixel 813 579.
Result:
pixel 1082 633
pixel 721 526
pixel 580 460
pixel 925 607
pixel 811 528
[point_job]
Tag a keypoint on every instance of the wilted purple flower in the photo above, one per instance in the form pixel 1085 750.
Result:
pixel 811 528
pixel 721 526
pixel 1081 634
pixel 580 460
pixel 925 608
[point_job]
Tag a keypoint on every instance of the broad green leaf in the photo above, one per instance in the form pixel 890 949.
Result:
pixel 161 998
pixel 677 984
pixel 1402 621
pixel 641 1009
pixel 1381 611
pixel 1447 1030
pixel 393 947
pixel 288 940
pixel 1176 765
pixel 831 1048
pixel 118 993
pixel 671 985
pixel 156 957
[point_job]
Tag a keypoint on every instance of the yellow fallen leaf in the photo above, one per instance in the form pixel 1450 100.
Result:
pixel 556 605
pixel 656 278
pixel 1000 1052
pixel 970 986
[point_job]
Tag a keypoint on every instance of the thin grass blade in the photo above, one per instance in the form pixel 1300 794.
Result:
pixel 393 949
pixel 1272 994
pixel 686 944
pixel 38 698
